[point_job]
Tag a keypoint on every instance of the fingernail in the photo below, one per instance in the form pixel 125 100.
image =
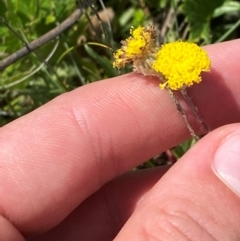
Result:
pixel 226 162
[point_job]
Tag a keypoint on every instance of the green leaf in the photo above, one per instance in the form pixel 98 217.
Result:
pixel 3 9
pixel 103 62
pixel 198 14
pixel 138 17
pixel 50 19
pixel 126 16
pixel 227 7
pixel 180 150
pixel 64 54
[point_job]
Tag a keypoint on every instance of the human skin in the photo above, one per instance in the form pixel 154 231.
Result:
pixel 65 166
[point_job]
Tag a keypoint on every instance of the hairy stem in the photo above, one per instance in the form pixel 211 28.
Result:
pixel 183 114
pixel 195 110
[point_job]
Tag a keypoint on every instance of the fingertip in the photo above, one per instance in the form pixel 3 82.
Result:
pixel 190 200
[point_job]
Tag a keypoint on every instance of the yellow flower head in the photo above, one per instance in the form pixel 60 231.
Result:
pixel 137 46
pixel 181 63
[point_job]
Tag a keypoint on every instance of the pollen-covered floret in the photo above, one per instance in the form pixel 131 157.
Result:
pixel 181 63
pixel 137 46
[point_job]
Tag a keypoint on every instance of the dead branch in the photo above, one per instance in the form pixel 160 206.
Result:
pixel 52 34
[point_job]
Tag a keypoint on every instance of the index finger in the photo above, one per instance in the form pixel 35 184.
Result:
pixel 56 156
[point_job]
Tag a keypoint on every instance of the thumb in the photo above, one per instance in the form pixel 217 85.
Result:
pixel 198 198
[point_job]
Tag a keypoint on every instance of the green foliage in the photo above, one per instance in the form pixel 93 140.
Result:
pixel 199 13
pixel 180 150
pixel 228 7
pixel 29 83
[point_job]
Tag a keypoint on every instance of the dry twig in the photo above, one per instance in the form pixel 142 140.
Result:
pixel 47 37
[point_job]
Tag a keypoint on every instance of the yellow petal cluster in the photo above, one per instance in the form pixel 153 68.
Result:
pixel 181 64
pixel 178 64
pixel 136 46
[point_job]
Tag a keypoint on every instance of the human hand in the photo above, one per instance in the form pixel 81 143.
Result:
pixel 62 165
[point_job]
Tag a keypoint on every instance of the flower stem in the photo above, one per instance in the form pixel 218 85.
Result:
pixel 195 110
pixel 183 113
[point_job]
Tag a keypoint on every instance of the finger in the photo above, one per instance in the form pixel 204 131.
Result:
pixel 8 231
pixel 198 199
pixel 102 215
pixel 215 97
pixel 66 150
